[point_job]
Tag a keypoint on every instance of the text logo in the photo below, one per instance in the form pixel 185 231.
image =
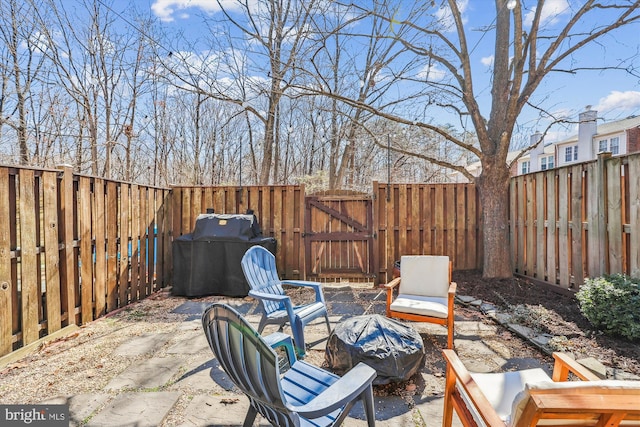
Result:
pixel 34 415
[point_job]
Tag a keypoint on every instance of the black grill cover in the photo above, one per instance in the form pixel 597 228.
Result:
pixel 226 226
pixel 207 261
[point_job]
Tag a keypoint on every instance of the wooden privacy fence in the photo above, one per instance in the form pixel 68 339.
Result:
pixel 60 231
pixel 427 219
pixel 577 221
pixel 438 219
pixel 279 209
pixel 73 248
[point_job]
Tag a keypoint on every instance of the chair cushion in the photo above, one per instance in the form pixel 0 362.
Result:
pixel 501 388
pixel 569 387
pixel 424 275
pixel 425 306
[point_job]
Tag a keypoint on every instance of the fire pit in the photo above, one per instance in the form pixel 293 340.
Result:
pixel 393 349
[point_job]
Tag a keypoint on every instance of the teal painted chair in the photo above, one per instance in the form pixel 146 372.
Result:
pixel 304 395
pixel 259 267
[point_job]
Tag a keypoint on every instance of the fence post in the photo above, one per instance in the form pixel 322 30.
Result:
pixel 66 215
pixel 7 287
pixel 598 218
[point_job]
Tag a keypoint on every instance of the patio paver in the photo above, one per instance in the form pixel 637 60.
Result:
pixel 136 410
pixel 141 345
pixel 151 373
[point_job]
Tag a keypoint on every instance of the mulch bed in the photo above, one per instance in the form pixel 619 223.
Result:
pixel 552 312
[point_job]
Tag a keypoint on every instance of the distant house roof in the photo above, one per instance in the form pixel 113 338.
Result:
pixel 602 129
pixel 607 128
pixel 549 148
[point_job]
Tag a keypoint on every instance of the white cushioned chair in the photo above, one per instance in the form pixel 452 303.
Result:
pixel 426 293
pixel 531 398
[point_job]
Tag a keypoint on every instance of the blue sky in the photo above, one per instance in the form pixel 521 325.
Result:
pixel 615 94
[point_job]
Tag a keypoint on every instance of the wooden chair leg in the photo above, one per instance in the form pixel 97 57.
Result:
pixel 447 415
pixel 450 334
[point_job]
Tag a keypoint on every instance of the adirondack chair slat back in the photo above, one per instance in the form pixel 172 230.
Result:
pixel 259 267
pixel 249 361
pixel 304 395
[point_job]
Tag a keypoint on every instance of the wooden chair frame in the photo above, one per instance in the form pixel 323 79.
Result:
pixel 447 322
pixel 595 406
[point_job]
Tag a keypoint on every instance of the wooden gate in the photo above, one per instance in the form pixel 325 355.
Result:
pixel 338 238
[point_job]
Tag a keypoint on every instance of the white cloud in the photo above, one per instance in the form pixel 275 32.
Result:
pixel 487 61
pixel 165 9
pixel 628 100
pixel 446 19
pixel 551 12
pixel 432 72
pixel 38 43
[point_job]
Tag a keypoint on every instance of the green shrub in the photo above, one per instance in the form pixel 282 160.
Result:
pixel 612 305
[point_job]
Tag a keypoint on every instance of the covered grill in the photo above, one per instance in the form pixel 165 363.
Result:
pixel 207 261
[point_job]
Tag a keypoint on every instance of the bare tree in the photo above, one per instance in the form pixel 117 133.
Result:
pixel 523 58
pixel 135 87
pixel 343 67
pixel 257 68
pixel 92 65
pixel 24 61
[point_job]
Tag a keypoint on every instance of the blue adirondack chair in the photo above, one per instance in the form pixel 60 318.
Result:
pixel 259 267
pixel 305 395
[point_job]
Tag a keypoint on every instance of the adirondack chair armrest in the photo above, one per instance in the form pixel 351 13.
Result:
pixel 279 339
pixel 350 385
pixel 271 297
pixel 317 287
pixel 564 365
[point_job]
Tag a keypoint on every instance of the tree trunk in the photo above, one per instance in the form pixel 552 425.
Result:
pixel 267 152
pixel 493 186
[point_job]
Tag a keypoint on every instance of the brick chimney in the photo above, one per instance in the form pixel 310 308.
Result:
pixel 633 140
pixel 587 128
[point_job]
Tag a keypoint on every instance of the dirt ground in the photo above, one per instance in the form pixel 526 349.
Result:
pixel 554 313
